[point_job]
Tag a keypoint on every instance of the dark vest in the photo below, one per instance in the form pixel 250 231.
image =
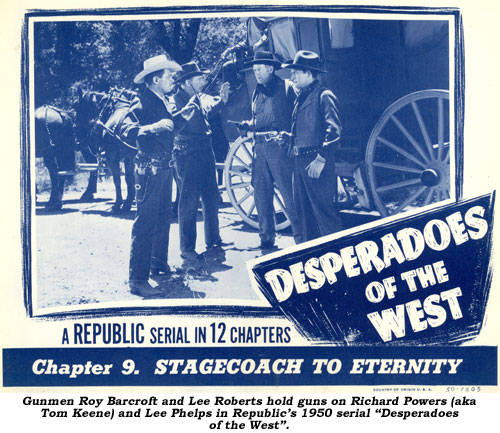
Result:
pixel 309 123
pixel 271 110
pixel 197 127
pixel 148 110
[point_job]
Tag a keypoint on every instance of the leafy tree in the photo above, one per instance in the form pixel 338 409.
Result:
pixel 177 37
pixel 100 54
pixel 215 36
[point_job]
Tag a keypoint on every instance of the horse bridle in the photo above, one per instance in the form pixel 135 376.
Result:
pixel 114 95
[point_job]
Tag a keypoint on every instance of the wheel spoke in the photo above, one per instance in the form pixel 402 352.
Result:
pixel 244 146
pixel 243 163
pixel 410 138
pixel 242 199
pixel 443 193
pixel 398 185
pixel 397 167
pixel 401 151
pixel 423 129
pixel 412 197
pixel 440 128
pixel 447 157
pixel 428 199
pixel 240 185
pixel 250 210
pixel 240 172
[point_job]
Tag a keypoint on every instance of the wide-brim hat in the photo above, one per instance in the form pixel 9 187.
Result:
pixel 305 61
pixel 156 63
pixel 264 58
pixel 190 70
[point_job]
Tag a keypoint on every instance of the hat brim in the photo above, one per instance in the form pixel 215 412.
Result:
pixel 171 66
pixel 290 65
pixel 192 74
pixel 276 64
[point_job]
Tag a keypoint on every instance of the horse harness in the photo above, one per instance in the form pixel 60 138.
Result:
pixel 57 110
pixel 110 99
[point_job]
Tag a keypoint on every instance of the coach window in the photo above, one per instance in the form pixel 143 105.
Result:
pixel 309 34
pixel 341 35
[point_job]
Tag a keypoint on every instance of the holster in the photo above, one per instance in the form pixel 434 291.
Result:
pixel 154 161
pixel 181 147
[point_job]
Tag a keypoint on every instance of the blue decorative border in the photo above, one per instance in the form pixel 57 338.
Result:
pixel 25 176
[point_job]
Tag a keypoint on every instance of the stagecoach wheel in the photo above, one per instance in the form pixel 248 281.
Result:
pixel 238 184
pixel 408 153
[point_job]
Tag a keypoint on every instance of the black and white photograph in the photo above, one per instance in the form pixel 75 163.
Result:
pixel 265 132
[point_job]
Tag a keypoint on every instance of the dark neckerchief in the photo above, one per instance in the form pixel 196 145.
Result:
pixel 269 88
pixel 305 92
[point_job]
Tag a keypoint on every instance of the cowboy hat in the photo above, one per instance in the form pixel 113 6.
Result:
pixel 156 63
pixel 305 61
pixel 264 58
pixel 189 70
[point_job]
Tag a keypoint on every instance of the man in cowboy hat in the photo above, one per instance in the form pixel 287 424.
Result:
pixel 272 106
pixel 151 126
pixel 195 165
pixel 316 132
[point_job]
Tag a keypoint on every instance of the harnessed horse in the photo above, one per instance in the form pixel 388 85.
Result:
pixel 55 142
pixel 97 115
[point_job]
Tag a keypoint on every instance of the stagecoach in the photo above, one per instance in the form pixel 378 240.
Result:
pixel 391 77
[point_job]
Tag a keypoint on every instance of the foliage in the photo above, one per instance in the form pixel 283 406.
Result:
pixel 215 36
pixel 100 54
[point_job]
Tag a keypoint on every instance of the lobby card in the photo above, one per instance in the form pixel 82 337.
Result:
pixel 368 298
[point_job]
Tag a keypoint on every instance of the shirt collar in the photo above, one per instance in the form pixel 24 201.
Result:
pixel 308 89
pixel 159 95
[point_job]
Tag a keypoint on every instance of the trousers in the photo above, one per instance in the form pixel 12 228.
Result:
pixel 197 179
pixel 151 227
pixel 272 166
pixel 315 199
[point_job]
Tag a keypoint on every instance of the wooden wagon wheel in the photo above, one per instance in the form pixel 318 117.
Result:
pixel 238 184
pixel 408 153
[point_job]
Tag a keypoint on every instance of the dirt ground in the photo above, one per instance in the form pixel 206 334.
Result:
pixel 80 253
